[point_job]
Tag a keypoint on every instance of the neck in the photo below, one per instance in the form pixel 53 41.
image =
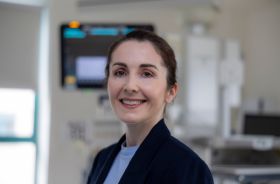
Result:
pixel 136 133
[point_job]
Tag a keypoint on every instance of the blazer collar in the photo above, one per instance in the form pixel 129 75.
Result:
pixel 140 162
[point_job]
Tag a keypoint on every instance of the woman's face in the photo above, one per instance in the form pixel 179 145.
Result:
pixel 137 84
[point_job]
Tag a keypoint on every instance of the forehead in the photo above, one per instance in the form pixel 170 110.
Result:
pixel 136 51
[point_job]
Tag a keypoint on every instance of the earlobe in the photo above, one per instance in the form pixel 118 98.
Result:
pixel 172 92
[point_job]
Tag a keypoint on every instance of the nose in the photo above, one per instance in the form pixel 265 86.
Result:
pixel 131 85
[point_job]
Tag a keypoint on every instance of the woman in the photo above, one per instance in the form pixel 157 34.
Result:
pixel 141 81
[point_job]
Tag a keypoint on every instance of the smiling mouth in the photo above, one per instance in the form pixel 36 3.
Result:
pixel 132 102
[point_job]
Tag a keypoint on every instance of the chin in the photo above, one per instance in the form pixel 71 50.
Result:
pixel 129 120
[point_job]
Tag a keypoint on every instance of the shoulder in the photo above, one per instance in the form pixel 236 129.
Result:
pixel 175 147
pixel 181 160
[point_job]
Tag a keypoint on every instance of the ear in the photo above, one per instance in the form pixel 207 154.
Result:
pixel 171 93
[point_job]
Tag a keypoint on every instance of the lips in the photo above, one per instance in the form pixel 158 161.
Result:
pixel 132 102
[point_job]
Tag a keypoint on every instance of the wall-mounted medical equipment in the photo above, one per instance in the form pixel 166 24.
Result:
pixel 202 89
pixel 214 78
pixel 84 47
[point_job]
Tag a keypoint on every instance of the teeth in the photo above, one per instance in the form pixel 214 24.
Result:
pixel 132 102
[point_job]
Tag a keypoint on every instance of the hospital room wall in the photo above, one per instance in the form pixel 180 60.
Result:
pixel 255 25
pixel 18 62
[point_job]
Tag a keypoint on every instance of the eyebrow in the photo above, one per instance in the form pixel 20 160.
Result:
pixel 141 66
pixel 119 64
pixel 148 66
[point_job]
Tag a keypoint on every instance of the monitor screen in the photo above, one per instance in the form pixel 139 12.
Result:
pixel 84 50
pixel 262 124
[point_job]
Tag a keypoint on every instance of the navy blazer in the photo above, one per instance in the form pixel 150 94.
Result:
pixel 160 159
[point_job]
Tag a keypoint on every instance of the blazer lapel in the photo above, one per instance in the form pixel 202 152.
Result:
pixel 109 161
pixel 139 165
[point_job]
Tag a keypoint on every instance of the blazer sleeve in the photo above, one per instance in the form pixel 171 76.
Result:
pixel 202 174
pixel 196 173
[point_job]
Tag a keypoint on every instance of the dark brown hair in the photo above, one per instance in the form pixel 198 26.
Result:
pixel 160 45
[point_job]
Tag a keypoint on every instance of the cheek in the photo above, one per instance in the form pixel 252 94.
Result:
pixel 157 91
pixel 110 88
pixel 113 87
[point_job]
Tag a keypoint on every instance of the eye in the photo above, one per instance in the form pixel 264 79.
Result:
pixel 119 73
pixel 147 74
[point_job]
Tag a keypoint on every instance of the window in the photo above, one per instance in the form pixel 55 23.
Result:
pixel 17 136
